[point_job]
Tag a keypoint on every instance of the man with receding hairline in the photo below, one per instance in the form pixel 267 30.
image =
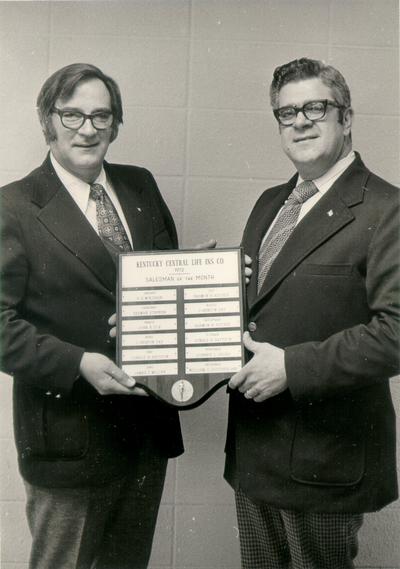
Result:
pixel 311 442
pixel 92 449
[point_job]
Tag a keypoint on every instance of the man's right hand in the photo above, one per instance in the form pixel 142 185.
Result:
pixel 106 377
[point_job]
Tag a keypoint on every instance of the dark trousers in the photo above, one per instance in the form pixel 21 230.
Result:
pixel 272 538
pixel 109 527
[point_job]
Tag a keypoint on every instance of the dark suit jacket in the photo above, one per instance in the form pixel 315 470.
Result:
pixel 58 291
pixel 331 300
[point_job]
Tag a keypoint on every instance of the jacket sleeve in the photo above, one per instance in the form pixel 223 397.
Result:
pixel 38 359
pixel 366 353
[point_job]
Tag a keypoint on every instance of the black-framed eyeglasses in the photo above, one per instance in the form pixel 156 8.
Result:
pixel 312 110
pixel 75 119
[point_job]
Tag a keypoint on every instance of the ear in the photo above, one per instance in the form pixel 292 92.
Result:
pixel 114 133
pixel 41 121
pixel 47 128
pixel 347 120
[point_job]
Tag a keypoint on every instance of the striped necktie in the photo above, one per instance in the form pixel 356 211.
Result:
pixel 282 228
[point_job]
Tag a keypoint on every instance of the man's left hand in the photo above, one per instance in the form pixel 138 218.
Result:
pixel 264 376
pixel 247 269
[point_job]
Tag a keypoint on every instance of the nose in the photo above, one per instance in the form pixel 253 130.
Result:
pixel 301 120
pixel 87 128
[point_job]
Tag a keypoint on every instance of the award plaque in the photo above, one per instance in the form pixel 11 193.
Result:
pixel 180 321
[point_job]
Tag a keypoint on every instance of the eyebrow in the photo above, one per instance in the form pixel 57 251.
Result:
pixel 332 100
pixel 98 110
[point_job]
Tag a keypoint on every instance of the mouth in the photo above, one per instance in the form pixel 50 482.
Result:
pixel 304 138
pixel 87 145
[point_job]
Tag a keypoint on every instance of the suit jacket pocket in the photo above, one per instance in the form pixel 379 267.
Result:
pixel 325 269
pixel 47 427
pixel 328 446
pixel 65 428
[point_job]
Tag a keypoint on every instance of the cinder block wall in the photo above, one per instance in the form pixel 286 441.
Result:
pixel 194 76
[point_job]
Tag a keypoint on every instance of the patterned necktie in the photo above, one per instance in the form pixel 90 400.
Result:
pixel 109 225
pixel 282 228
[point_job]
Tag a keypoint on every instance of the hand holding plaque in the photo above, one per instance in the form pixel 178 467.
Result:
pixel 180 321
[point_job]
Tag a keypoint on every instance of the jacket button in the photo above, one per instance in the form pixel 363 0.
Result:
pixel 252 326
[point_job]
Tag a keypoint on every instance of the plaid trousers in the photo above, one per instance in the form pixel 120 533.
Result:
pixel 272 538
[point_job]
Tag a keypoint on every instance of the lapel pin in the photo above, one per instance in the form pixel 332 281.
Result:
pixel 330 213
pixel 139 209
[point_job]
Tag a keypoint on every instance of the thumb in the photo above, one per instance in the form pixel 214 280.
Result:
pixel 210 244
pixel 249 343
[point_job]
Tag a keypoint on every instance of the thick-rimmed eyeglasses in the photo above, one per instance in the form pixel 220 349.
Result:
pixel 75 119
pixel 313 111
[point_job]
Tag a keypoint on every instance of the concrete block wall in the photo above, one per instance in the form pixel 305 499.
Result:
pixel 194 76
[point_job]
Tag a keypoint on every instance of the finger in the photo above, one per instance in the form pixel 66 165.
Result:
pixel 260 397
pixel 251 393
pixel 121 377
pixel 139 391
pixel 249 343
pixel 248 387
pixel 115 388
pixel 237 379
pixel 247 260
pixel 112 320
pixel 210 244
pixel 113 332
pixel 248 272
pixel 108 386
pixel 118 389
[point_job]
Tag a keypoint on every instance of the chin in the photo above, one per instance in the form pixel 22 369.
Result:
pixel 306 156
pixel 308 169
pixel 303 163
pixel 90 162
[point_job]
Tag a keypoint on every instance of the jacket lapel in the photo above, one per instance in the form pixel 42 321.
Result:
pixel 65 221
pixel 327 217
pixel 272 201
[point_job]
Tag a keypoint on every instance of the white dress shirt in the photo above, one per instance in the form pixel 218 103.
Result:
pixel 80 193
pixel 323 184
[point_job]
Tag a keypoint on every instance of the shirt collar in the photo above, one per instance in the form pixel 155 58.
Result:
pixel 78 189
pixel 325 181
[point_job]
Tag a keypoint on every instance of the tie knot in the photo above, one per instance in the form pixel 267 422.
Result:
pixel 304 191
pixel 96 191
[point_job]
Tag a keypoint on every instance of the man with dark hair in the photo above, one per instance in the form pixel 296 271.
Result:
pixel 311 437
pixel 62 84
pixel 92 452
